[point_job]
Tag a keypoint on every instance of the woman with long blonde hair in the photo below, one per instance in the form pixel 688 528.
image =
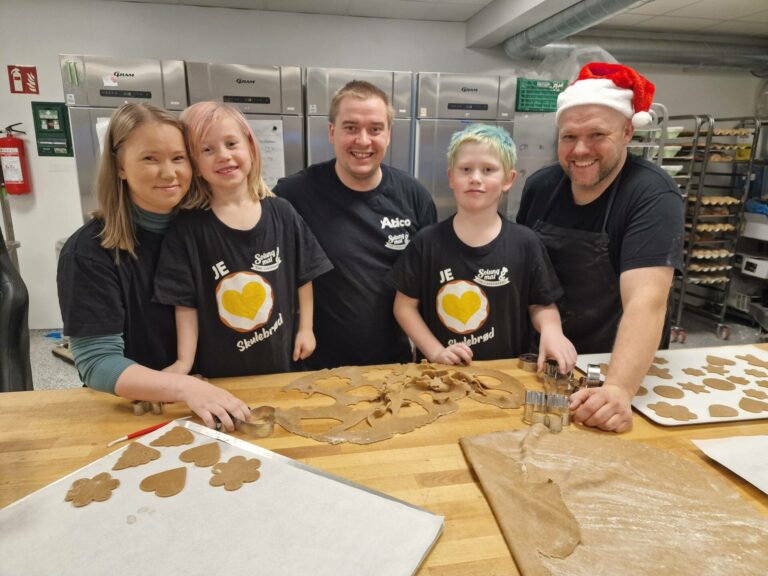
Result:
pixel 122 342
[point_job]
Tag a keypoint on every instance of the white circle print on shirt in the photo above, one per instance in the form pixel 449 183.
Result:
pixel 462 306
pixel 245 301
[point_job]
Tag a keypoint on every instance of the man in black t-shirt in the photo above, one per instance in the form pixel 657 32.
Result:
pixel 613 228
pixel 363 214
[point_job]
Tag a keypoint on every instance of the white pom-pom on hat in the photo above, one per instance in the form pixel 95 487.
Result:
pixel 642 119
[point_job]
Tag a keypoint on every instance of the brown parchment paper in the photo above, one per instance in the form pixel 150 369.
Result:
pixel 585 503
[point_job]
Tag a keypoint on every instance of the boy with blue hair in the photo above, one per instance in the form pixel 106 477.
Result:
pixel 467 286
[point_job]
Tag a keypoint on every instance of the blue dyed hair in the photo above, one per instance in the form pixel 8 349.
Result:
pixel 494 137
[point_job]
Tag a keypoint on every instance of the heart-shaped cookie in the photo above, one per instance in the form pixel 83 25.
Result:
pixel 461 308
pixel 135 455
pixel 176 436
pixel 86 490
pixel 245 304
pixel 233 473
pixel 204 455
pixel 164 484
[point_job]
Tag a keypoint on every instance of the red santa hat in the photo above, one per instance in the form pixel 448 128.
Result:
pixel 613 85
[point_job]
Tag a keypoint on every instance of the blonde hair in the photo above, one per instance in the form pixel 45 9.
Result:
pixel 197 120
pixel 494 137
pixel 361 90
pixel 115 206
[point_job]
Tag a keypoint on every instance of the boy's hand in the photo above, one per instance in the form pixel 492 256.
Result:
pixel 553 344
pixel 209 401
pixel 304 345
pixel 454 354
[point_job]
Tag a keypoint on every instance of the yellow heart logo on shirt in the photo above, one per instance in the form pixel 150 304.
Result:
pixel 462 308
pixel 246 303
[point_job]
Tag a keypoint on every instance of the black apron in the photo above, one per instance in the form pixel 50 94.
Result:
pixel 591 305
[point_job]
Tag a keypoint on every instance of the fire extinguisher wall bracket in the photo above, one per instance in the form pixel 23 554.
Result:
pixel 13 161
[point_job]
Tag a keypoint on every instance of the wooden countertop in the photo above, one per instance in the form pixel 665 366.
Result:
pixel 47 434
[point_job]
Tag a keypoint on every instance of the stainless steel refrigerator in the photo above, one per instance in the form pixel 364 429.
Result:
pixel 323 83
pixel 270 97
pixel 94 86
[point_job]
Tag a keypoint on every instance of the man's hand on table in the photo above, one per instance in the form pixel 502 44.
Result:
pixel 608 407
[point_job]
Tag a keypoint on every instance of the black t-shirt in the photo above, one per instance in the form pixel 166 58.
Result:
pixel 645 225
pixel 243 284
pixel 363 233
pixel 99 297
pixel 478 295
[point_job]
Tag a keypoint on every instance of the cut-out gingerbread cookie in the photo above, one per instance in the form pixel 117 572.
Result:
pixel 165 484
pixel 755 373
pixel 176 436
pixel 721 411
pixel 737 380
pixel 719 384
pixel 758 394
pixel 642 391
pixel 203 456
pixel 135 455
pixel 754 406
pixel 233 473
pixel 712 369
pixel 717 361
pixel 695 388
pixel 754 360
pixel 694 372
pixel 87 490
pixel 660 360
pixel 659 372
pixel 763 383
pixel 669 392
pixel 674 411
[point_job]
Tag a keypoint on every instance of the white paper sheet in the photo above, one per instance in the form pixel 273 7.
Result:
pixel 746 456
pixel 102 124
pixel 698 403
pixel 294 520
pixel 269 134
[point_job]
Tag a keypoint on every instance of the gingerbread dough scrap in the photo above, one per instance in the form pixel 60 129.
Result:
pixel 754 360
pixel 165 484
pixel 721 411
pixel 659 372
pixel 717 361
pixel 376 402
pixel 639 510
pixel 203 456
pixel 737 380
pixel 87 490
pixel 695 388
pixel 715 369
pixel 674 411
pixel 235 472
pixel 135 455
pixel 754 406
pixel 176 436
pixel 694 372
pixel 719 384
pixel 669 392
pixel 755 373
pixel 759 394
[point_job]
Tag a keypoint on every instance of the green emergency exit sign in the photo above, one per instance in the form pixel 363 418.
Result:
pixel 538 95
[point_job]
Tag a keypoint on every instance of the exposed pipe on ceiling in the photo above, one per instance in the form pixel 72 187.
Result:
pixel 546 39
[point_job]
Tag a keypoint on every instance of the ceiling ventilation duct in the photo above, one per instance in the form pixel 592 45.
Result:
pixel 546 39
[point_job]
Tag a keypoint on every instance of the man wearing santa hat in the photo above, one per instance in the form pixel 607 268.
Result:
pixel 613 226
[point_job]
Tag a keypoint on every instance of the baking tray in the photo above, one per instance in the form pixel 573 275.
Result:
pixel 695 401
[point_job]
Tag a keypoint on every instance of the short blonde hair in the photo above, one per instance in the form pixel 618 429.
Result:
pixel 115 206
pixel 197 120
pixel 495 137
pixel 361 90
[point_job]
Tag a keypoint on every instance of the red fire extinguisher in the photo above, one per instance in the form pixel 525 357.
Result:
pixel 13 160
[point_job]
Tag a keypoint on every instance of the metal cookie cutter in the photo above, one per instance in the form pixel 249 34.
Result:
pixel 261 424
pixel 548 409
pixel 528 362
pixel 554 382
pixel 593 378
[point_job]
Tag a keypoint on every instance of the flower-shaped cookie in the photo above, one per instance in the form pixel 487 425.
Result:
pixel 86 490
pixel 233 473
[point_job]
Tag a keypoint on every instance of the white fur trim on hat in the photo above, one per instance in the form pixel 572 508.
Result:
pixel 599 91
